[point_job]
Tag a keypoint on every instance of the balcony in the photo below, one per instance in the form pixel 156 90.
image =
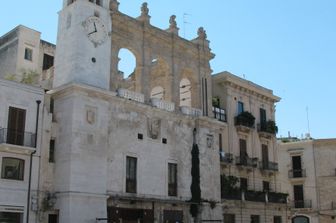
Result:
pixel 301 204
pixel 267 129
pixel 226 158
pixel 19 138
pixel 256 196
pixel 279 198
pixel 219 114
pixel 244 122
pixel 297 173
pixel 268 166
pixel 246 161
pixel 234 194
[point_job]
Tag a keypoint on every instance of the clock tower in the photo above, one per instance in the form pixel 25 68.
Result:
pixel 83 44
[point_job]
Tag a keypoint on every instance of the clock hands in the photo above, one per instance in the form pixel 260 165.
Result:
pixel 95 29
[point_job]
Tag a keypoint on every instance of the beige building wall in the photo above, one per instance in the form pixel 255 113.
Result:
pixel 319 179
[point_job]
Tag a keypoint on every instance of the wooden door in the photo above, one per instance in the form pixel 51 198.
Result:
pixel 16 126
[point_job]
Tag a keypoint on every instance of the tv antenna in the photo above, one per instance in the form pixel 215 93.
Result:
pixel 185 22
pixel 308 120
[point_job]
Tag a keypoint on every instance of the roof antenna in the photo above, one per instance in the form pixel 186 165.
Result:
pixel 185 22
pixel 308 134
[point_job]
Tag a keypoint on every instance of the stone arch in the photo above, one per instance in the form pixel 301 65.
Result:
pixel 185 92
pixel 159 77
pixel 157 92
pixel 119 79
pixel 188 74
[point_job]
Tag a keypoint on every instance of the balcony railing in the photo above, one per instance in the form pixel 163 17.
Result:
pixel 256 196
pixel 246 161
pixel 219 114
pixel 232 194
pixel 226 157
pixel 264 165
pixel 302 204
pixel 15 137
pixel 279 198
pixel 297 173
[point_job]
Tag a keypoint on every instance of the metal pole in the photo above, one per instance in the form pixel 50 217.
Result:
pixel 38 102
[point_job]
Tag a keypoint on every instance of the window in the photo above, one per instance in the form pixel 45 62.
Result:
pixel 48 61
pixel 240 107
pixel 243 152
pixel 264 153
pixel 11 217
pixel 52 218
pixel 277 219
pixel 243 184
pixel 28 54
pixel 172 179
pixel 298 196
pixel 297 167
pixel 255 219
pixel 229 218
pixel 262 116
pixel 95 1
pixel 131 172
pixel 52 151
pixel 12 168
pixel 16 126
pixel 266 186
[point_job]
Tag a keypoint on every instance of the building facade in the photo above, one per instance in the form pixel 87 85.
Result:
pixel 20 149
pixel 308 173
pixel 24 57
pixel 168 143
pixel 251 189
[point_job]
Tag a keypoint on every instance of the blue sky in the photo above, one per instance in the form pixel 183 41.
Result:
pixel 287 46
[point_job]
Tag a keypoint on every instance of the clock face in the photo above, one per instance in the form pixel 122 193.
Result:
pixel 95 30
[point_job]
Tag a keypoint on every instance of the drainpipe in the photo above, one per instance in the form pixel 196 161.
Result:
pixel 38 102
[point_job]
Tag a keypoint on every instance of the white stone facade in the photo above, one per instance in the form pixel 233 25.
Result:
pixel 13 191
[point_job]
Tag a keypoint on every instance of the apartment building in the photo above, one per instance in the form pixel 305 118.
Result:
pixel 308 176
pixel 20 145
pixel 251 190
pixel 26 58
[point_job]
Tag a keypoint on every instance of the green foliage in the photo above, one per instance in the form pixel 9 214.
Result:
pixel 245 118
pixel 10 77
pixel 29 76
pixel 215 101
pixel 229 183
pixel 271 127
pixel 195 181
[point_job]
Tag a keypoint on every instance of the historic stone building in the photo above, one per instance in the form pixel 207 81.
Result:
pixel 169 143
pixel 308 173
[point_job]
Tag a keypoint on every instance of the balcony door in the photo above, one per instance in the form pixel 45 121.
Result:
pixel 243 151
pixel 297 168
pixel 16 126
pixel 262 116
pixel 265 160
pixel 298 196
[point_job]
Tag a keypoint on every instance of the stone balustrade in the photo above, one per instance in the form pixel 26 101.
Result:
pixel 164 105
pixel 131 95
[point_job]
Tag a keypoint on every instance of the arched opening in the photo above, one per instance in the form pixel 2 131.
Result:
pixel 127 63
pixel 157 92
pixel 300 219
pixel 185 92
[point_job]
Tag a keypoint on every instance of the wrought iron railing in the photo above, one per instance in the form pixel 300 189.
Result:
pixel 297 173
pixel 266 165
pixel 16 137
pixel 246 161
pixel 219 114
pixel 226 157
pixel 302 204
